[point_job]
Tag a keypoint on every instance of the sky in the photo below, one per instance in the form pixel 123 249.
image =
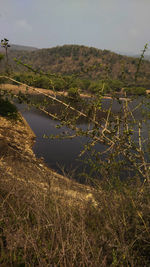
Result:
pixel 117 25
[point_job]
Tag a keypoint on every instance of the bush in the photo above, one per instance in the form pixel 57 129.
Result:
pixel 98 86
pixel 26 78
pixel 115 85
pixel 7 109
pixel 73 93
pixel 42 82
pixel 3 80
pixel 136 91
pixel 59 84
pixel 85 84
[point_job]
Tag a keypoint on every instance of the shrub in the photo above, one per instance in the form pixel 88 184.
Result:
pixel 73 93
pixel 3 80
pixel 26 78
pixel 135 91
pixel 42 82
pixel 98 86
pixel 7 109
pixel 115 85
pixel 59 84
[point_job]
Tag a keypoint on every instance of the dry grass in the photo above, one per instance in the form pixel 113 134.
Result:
pixel 49 220
pixel 43 227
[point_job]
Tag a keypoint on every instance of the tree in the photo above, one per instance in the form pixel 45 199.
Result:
pixel 5 45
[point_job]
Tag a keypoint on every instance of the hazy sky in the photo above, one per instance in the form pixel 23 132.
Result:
pixel 122 25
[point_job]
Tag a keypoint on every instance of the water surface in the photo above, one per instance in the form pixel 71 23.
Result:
pixel 62 155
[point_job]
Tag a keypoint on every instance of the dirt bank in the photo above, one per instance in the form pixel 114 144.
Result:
pixel 19 163
pixel 36 91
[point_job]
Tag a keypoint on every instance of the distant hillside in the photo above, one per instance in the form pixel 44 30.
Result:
pixel 93 63
pixel 19 48
pixel 135 55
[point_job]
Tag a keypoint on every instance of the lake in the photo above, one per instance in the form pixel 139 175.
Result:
pixel 62 155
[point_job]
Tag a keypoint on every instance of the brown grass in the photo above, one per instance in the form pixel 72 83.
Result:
pixel 48 220
pixel 42 227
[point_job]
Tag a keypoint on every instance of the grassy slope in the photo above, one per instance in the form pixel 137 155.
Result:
pixel 47 219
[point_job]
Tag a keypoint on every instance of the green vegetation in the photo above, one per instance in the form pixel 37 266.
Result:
pixel 73 93
pixel 7 109
pixel 86 62
pixel 135 91
pixel 64 83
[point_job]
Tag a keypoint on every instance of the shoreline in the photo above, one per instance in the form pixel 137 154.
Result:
pixel 36 91
pixel 19 163
pixel 27 126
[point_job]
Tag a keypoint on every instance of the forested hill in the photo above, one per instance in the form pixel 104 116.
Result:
pixel 93 63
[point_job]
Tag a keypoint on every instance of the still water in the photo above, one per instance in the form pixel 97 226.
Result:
pixel 62 155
